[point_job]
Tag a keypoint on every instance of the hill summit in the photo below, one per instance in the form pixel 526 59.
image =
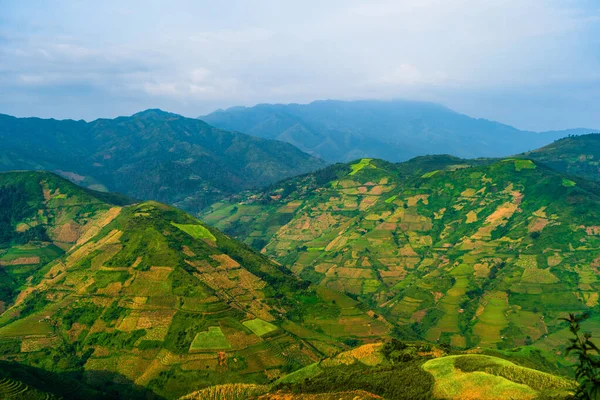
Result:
pixel 151 155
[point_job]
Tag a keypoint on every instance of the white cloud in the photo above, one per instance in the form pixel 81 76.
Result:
pixel 190 55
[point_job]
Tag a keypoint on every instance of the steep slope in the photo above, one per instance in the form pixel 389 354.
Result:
pixel 478 255
pixel 391 130
pixel 574 155
pixel 149 296
pixel 42 216
pixel 151 155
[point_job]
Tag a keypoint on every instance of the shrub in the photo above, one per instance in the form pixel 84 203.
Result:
pixel 587 369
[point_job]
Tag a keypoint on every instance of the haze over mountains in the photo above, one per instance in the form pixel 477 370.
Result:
pixel 391 130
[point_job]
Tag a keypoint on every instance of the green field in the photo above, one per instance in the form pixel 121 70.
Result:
pixel 211 339
pixel 478 376
pixel 298 376
pixel 359 165
pixel 259 327
pixel 196 231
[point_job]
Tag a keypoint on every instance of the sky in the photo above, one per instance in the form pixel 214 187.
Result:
pixel 534 64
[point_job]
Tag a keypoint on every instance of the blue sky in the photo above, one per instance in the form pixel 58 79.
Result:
pixel 534 64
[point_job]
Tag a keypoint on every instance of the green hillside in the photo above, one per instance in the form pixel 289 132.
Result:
pixel 474 253
pixel 41 217
pixel 150 155
pixel 146 296
pixel 574 155
pixel 400 371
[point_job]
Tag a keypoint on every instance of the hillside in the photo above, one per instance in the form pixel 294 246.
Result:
pixel 575 155
pixel 475 253
pixel 400 371
pixel 41 217
pixel 144 296
pixel 151 155
pixel 391 130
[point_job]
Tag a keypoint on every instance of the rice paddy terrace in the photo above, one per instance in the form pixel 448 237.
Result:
pixel 485 253
pixel 148 296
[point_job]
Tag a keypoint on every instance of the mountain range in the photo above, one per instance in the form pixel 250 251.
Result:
pixel 116 298
pixel 342 131
pixel 486 252
pixel 150 155
pixel 437 277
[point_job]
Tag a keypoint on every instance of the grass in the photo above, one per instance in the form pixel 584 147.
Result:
pixel 360 165
pixel 259 327
pixel 535 379
pixel 30 325
pixel 196 231
pixel 230 391
pixel 452 383
pixel 313 249
pixel 524 164
pixel 299 376
pixel 391 198
pixel 492 321
pixel 430 174
pixel 211 339
pixel 479 376
pixel 46 252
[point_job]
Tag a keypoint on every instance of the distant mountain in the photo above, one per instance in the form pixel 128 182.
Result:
pixel 574 155
pixel 147 297
pixel 151 155
pixel 483 253
pixel 390 130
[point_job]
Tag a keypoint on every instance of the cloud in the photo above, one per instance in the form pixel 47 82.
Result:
pixel 194 56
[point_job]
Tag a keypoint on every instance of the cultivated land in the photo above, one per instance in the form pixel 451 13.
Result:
pixel 474 253
pixel 472 261
pixel 404 372
pixel 146 294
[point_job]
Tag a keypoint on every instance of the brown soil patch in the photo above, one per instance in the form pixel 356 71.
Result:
pixel 471 217
pixel 92 228
pixel 66 233
pixel 226 261
pixel 20 261
pixel 537 225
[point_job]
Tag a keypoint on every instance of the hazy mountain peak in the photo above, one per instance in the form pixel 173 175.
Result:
pixel 395 130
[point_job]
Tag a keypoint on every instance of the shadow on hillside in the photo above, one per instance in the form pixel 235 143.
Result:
pixel 88 385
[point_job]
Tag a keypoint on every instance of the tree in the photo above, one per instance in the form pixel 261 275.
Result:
pixel 587 369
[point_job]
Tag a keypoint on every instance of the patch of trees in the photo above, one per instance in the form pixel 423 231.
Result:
pixel 15 207
pixel 405 380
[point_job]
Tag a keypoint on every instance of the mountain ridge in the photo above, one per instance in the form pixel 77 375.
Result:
pixel 395 130
pixel 190 163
